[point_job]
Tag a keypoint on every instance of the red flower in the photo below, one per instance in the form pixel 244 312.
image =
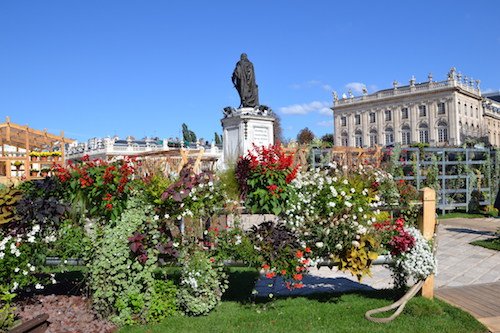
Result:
pixel 308 249
pixel 298 285
pixel 283 272
pixel 109 206
pixel 299 254
pixel 297 277
pixel 265 267
pixel 270 275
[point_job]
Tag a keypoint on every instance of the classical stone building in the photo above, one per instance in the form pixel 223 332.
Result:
pixel 441 113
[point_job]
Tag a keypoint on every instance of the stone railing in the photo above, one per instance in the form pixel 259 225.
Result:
pixel 406 90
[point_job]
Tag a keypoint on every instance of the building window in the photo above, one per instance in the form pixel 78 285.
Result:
pixel 358 139
pixel 343 121
pixel 357 119
pixel 405 135
pixel 465 109
pixel 373 138
pixel 441 108
pixel 389 136
pixel 372 117
pixel 422 111
pixel 344 139
pixel 442 131
pixel 423 132
pixel 388 115
pixel 404 113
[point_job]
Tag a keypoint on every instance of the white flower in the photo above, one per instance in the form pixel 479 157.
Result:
pixel 167 216
pixel 38 286
pixel 175 244
pixel 338 246
pixel 156 218
pixel 348 204
pixel 319 245
pixel 14 287
pixel 25 272
pixel 355 243
pixel 16 269
pixel 345 182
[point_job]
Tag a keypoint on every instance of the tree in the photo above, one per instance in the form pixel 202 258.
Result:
pixel 328 139
pixel 187 134
pixel 217 138
pixel 277 130
pixel 305 136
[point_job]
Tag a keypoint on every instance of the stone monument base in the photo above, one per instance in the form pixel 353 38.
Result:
pixel 244 127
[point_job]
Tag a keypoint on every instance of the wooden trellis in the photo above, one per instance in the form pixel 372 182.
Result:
pixel 173 160
pixel 26 140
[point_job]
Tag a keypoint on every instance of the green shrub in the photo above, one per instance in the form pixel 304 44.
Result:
pixel 122 286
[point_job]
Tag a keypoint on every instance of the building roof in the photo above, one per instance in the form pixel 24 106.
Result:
pixel 493 95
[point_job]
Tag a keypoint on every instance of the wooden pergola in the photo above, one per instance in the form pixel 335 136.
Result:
pixel 26 139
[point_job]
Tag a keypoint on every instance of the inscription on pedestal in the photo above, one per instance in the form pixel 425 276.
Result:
pixel 261 136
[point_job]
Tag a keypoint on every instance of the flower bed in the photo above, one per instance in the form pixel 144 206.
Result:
pixel 125 227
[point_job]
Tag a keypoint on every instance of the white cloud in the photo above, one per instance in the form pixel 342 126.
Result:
pixel 356 87
pixel 327 87
pixel 325 123
pixel 315 106
pixel 489 90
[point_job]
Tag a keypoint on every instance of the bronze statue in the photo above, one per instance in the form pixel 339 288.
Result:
pixel 244 81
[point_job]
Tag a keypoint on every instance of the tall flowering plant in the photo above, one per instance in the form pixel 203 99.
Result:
pixel 281 253
pixel 264 175
pixel 102 187
pixel 333 210
pixel 411 252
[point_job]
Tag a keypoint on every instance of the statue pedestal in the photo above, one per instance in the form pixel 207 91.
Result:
pixel 244 127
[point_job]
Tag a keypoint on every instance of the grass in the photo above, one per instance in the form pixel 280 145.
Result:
pixel 461 214
pixel 315 313
pixel 492 244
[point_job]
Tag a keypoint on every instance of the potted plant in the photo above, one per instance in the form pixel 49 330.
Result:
pixel 44 172
pixel 18 164
pixel 44 156
pixel 33 172
pixel 34 155
pixel 56 155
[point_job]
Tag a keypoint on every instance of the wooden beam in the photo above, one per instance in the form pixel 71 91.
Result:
pixel 427 225
pixel 27 158
pixel 63 149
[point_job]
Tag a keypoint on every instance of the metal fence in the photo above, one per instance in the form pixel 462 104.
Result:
pixel 460 176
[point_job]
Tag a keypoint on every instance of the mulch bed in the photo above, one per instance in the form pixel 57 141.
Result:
pixel 67 305
pixel 66 313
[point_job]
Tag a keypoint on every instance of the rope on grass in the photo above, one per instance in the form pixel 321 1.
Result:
pixel 399 305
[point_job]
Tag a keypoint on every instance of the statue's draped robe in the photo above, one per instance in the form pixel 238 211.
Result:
pixel 244 81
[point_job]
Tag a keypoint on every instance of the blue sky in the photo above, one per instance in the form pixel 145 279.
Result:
pixel 142 68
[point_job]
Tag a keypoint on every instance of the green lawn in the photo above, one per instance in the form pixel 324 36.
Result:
pixel 492 244
pixel 320 313
pixel 461 214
